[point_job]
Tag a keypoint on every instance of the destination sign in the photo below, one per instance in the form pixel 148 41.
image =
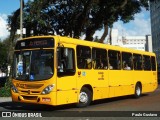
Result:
pixel 35 43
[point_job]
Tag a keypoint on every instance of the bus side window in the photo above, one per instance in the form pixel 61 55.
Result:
pixel 114 59
pixel 99 58
pixel 66 63
pixel 127 61
pixel 137 61
pixel 84 57
pixel 153 63
pixel 146 62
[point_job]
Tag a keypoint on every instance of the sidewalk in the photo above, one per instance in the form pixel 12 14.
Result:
pixel 5 99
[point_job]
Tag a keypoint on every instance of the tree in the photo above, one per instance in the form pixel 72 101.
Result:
pixel 76 17
pixel 3 54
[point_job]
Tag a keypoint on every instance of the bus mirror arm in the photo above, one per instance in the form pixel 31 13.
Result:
pixel 58 57
pixel 60 62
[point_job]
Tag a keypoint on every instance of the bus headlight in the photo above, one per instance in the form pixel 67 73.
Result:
pixel 48 89
pixel 14 89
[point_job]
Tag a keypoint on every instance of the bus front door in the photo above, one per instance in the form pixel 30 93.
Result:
pixel 66 77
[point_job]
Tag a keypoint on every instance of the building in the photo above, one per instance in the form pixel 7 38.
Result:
pixel 134 42
pixel 155 26
pixel 148 45
pixel 114 35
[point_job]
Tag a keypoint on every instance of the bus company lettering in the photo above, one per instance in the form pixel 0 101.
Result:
pixel 21 85
pixel 38 43
pixel 101 75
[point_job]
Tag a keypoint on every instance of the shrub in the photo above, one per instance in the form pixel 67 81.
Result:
pixel 5 91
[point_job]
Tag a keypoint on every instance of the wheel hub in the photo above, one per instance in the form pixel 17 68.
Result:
pixel 83 97
pixel 138 91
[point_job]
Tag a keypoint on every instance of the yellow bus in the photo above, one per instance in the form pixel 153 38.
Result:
pixel 57 70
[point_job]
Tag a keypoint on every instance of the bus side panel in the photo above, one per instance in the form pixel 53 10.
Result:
pixel 66 90
pixel 97 79
pixel 154 81
pixel 149 82
pixel 115 82
pixel 85 77
pixel 121 83
pixel 127 81
pixel 100 85
pixel 100 93
pixel 66 97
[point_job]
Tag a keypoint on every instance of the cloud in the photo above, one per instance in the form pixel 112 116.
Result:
pixel 140 26
pixel 3 27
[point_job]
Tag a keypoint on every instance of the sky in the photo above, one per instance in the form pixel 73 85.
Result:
pixel 140 26
pixel 7 7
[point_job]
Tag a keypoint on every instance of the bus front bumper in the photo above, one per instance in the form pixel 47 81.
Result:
pixel 48 99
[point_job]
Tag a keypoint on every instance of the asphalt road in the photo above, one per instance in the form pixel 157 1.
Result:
pixel 147 104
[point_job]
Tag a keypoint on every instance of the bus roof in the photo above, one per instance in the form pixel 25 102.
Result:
pixel 91 44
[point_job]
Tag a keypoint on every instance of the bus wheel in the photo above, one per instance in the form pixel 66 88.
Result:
pixel 85 97
pixel 138 90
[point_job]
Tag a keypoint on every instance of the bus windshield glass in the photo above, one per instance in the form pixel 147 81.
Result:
pixel 33 65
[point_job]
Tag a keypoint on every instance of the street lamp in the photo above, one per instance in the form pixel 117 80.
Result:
pixel 21 19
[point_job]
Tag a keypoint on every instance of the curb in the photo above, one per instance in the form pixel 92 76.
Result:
pixel 5 99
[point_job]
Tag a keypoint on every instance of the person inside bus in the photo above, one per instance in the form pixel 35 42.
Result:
pixel 81 61
pixel 89 63
pixel 102 62
pixel 102 66
pixel 127 67
pixel 20 67
pixel 110 66
pixel 62 65
pixel 94 63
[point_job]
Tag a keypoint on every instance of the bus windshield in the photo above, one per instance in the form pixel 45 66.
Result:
pixel 33 65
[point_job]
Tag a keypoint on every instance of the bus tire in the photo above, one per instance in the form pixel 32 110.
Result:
pixel 85 97
pixel 138 91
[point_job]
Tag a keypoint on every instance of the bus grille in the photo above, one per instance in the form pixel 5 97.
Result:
pixel 29 97
pixel 29 92
pixel 30 86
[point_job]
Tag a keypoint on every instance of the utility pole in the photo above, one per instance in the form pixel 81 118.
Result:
pixel 21 19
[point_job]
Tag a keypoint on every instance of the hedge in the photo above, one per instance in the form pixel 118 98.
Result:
pixel 5 91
